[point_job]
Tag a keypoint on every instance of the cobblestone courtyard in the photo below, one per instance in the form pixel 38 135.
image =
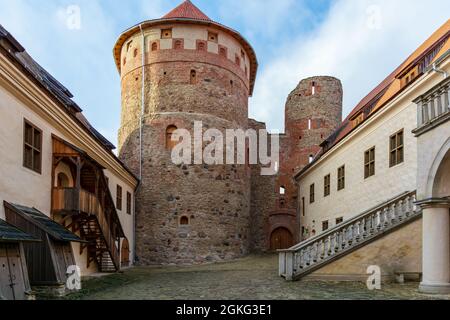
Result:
pixel 251 278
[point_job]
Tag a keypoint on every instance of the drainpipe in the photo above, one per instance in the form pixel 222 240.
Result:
pixel 436 69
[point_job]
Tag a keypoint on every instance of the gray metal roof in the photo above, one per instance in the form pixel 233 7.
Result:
pixel 54 229
pixel 9 233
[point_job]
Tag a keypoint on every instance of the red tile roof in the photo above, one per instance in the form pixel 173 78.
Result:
pixel 187 10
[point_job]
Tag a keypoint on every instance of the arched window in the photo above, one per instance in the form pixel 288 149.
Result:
pixel 154 46
pixel 62 181
pixel 313 88
pixel 193 79
pixel 223 52
pixel 311 158
pixel 184 221
pixel 309 124
pixel 178 44
pixel 201 46
pixel 124 61
pixel 169 133
pixel 135 53
pixel 282 190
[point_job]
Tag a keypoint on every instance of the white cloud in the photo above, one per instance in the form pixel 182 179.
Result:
pixel 351 45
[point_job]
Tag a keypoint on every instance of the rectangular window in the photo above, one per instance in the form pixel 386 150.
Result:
pixel 325 226
pixel 311 194
pixel 166 34
pixel 213 37
pixel 128 203
pixel 369 163
pixel 396 147
pixel 303 207
pixel 119 198
pixel 339 220
pixel 341 178
pixel 327 185
pixel 32 147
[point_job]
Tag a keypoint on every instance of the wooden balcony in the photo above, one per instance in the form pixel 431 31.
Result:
pixel 73 201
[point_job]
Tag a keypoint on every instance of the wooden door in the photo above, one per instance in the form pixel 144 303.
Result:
pixel 6 291
pixel 125 253
pixel 281 238
pixel 16 272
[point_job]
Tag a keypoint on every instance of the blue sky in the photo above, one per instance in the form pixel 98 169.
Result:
pixel 358 41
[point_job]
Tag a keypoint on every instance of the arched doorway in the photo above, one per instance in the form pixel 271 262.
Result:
pixel 62 180
pixel 125 253
pixel 281 238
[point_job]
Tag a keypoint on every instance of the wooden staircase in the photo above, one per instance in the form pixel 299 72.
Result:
pixel 102 248
pixel 313 254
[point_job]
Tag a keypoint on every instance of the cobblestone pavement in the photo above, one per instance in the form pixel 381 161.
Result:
pixel 251 278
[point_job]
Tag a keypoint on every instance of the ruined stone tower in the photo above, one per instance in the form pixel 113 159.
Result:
pixel 313 112
pixel 176 70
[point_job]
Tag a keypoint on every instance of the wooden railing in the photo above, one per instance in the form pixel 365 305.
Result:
pixel 82 201
pixel 310 255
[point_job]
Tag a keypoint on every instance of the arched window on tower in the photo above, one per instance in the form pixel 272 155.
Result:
pixel 154 46
pixel 313 88
pixel 135 53
pixel 311 158
pixel 193 77
pixel 169 134
pixel 178 44
pixel 184 221
pixel 282 190
pixel 309 124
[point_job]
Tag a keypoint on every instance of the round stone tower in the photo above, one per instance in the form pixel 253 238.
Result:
pixel 175 71
pixel 313 113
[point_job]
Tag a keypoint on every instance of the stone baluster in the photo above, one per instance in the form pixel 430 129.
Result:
pixel 407 206
pixel 400 210
pixel 333 244
pixel 447 99
pixel 432 107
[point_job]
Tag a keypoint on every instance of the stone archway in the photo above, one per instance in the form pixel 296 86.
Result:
pixel 281 238
pixel 436 227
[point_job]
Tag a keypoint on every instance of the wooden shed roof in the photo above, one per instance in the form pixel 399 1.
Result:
pixel 9 233
pixel 43 222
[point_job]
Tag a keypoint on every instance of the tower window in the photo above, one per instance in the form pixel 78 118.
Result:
pixel 154 46
pixel 135 53
pixel 309 124
pixel 178 44
pixel 166 34
pixel 242 55
pixel 193 77
pixel 238 61
pixel 313 88
pixel 201 46
pixel 213 37
pixel 223 51
pixel 282 191
pixel 169 134
pixel 124 61
pixel 311 158
pixel 129 45
pixel 184 221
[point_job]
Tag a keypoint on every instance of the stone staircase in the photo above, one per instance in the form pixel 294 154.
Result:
pixel 313 254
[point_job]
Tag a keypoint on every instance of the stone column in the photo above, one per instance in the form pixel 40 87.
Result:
pixel 436 246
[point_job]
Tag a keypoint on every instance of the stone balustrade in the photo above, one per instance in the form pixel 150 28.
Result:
pixel 433 104
pixel 312 254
